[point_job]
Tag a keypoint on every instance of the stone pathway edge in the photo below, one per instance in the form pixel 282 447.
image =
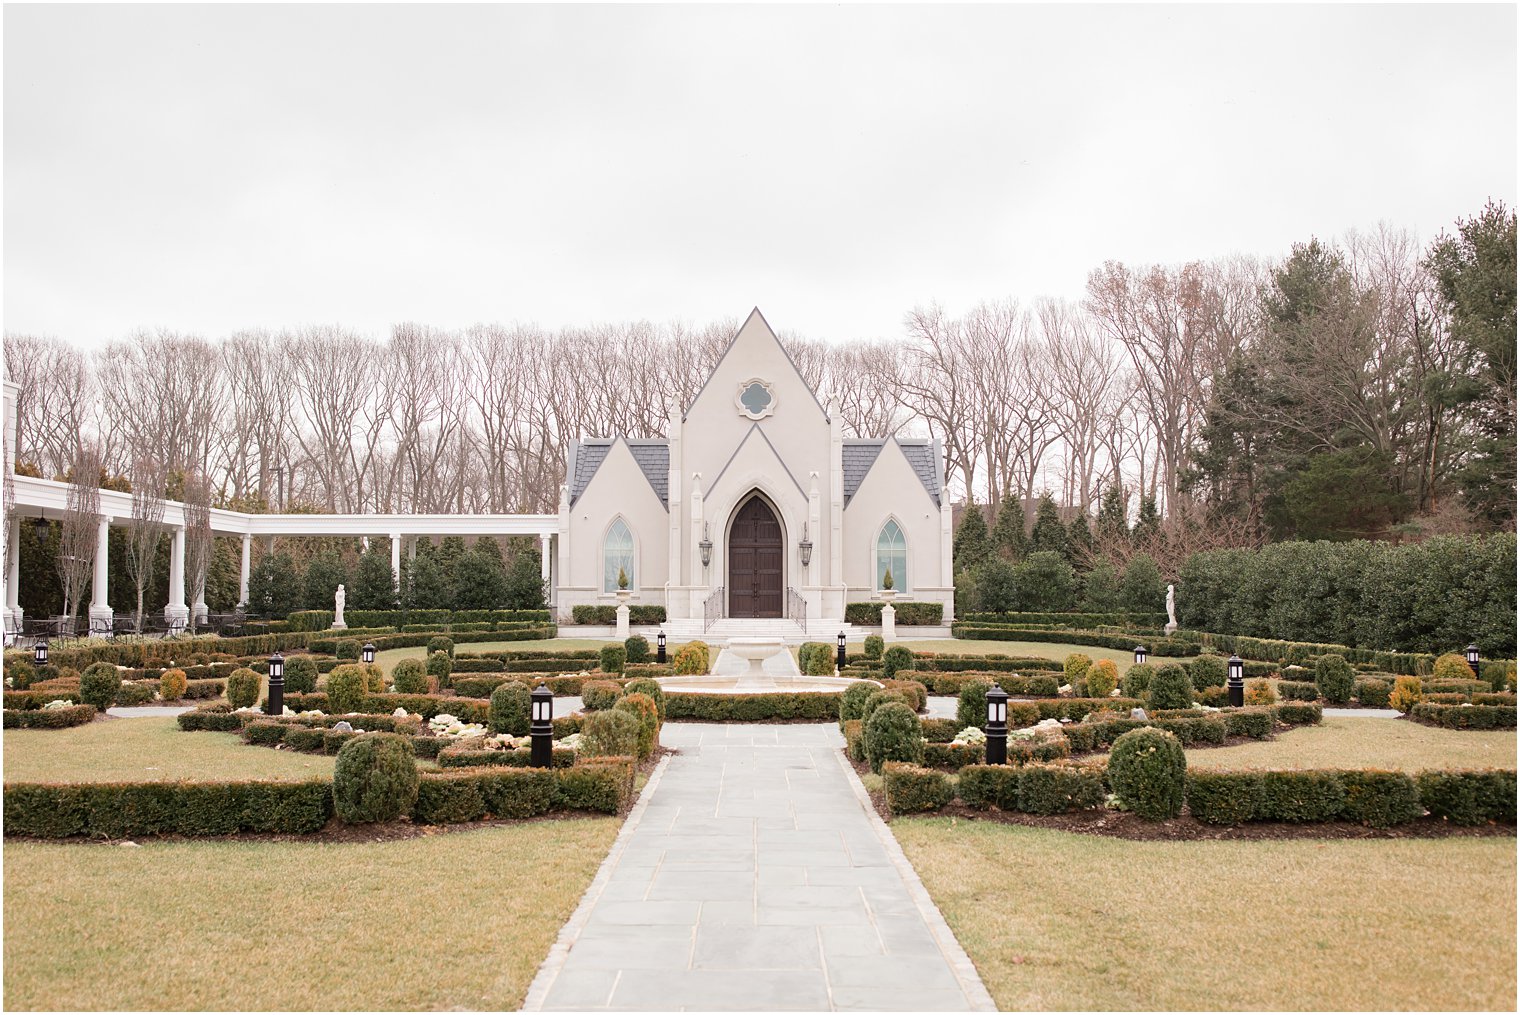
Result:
pixel 554 962
pixel 960 963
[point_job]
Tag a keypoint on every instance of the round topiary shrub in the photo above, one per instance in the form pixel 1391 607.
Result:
pixel 346 687
pixel 1075 669
pixel 893 659
pixel 1406 694
pixel 511 709
pixel 852 701
pixel 608 734
pixel 893 733
pixel 874 646
pixel 642 708
pixel 375 778
pixel 1171 687
pixel 347 648
pixel 693 659
pixel 1148 772
pixel 374 678
pixel 1102 678
pixel 636 649
pixel 300 675
pixel 99 685
pixel 1336 679
pixel 878 698
pixel 1451 666
pixel 410 677
pixel 1207 671
pixel 242 687
pixel 651 689
pixel 820 663
pixel 21 673
pixel 173 684
pixel 612 658
pixel 1137 679
pixel 441 643
pixel 971 707
pixel 1260 692
pixel 599 695
pixel 439 666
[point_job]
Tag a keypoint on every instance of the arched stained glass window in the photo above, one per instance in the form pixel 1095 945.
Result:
pixel 617 554
pixel 892 552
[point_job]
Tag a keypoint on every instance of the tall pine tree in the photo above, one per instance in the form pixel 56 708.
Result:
pixel 1008 536
pixel 1048 534
pixel 972 543
pixel 1113 516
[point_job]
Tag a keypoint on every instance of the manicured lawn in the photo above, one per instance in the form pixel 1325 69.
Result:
pixel 1085 922
pixel 1367 743
pixel 390 657
pixel 147 750
pixel 1038 649
pixel 452 920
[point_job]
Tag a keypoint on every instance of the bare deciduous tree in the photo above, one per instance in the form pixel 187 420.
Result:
pixel 198 541
pixel 146 527
pixel 80 528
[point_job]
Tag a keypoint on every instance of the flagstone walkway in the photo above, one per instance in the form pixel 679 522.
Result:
pixel 754 875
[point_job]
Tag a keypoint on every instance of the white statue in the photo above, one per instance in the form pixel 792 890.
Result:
pixel 339 600
pixel 1171 608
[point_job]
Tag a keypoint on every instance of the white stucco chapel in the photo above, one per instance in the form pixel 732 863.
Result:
pixel 754 507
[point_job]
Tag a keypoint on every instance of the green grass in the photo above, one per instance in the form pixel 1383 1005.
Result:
pixel 1086 922
pixel 1367 743
pixel 451 920
pixel 147 750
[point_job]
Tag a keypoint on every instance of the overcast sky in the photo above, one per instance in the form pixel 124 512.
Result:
pixel 207 169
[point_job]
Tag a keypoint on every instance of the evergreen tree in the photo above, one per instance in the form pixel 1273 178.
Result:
pixel 972 543
pixel 1046 583
pixel 1113 516
pixel 525 589
pixel 428 586
pixel 1100 589
pixel 450 549
pixel 480 578
pixel 1008 536
pixel 374 585
pixel 323 576
pixel 996 584
pixel 1079 535
pixel 1148 525
pixel 1142 590
pixel 1048 534
pixel 274 587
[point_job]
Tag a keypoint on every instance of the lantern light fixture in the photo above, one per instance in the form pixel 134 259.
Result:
pixel 805 547
pixel 1237 681
pixel 997 725
pixel 705 546
pixel 367 653
pixel 1140 654
pixel 1473 658
pixel 840 661
pixel 40 527
pixel 40 652
pixel 660 648
pixel 274 704
pixel 541 730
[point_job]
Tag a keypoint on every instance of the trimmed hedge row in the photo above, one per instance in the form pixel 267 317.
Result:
pixel 129 810
pixel 459 757
pixel 817 706
pixel 1020 752
pixel 645 615
pixel 425 705
pixel 1191 731
pixel 1083 621
pixel 1013 683
pixel 604 785
pixel 49 718
pixel 909 614
pixel 1372 797
pixel 152 653
pixel 1464 716
pixel 934 662
pixel 1158 647
pixel 1032 789
pixel 434 620
pixel 328 645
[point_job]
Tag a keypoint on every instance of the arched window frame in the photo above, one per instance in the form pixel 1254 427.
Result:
pixel 895 556
pixel 627 556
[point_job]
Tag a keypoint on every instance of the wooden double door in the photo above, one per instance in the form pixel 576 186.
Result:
pixel 755 562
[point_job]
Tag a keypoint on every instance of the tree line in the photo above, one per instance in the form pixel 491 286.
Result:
pixel 1357 387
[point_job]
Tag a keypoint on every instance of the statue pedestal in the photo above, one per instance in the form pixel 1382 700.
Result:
pixel 338 625
pixel 622 622
pixel 1170 627
pixel 888 623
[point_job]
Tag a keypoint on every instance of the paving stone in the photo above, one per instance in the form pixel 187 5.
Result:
pixel 646 913
pixel 585 988
pixel 897 999
pixel 901 972
pixel 729 947
pixel 727 990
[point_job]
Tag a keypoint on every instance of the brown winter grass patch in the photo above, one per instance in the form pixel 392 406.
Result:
pixel 1366 743
pixel 1028 649
pixel 1087 922
pixel 147 750
pixel 442 921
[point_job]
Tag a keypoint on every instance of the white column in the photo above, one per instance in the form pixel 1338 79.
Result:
pixel 543 559
pixel 13 576
pixel 243 571
pixel 835 599
pixel 100 602
pixel 176 610
pixel 396 559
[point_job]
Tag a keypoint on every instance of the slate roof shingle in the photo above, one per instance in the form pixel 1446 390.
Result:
pixel 652 456
pixel 860 454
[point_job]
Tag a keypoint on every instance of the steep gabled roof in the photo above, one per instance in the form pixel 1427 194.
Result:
pixel 652 456
pixel 754 313
pixel 859 454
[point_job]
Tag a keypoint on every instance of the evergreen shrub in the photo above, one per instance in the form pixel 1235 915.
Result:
pixel 1335 678
pixel 511 709
pixel 612 658
pixel 242 688
pixel 101 682
pixel 1148 771
pixel 635 649
pixel 410 677
pixel 1171 687
pixel 375 778
pixel 600 695
pixel 892 734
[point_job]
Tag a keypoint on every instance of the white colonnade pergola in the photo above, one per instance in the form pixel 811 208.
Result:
pixel 44 498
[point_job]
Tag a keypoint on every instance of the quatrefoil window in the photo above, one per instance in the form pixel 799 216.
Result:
pixel 755 399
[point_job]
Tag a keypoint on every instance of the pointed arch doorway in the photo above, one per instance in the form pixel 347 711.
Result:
pixel 755 561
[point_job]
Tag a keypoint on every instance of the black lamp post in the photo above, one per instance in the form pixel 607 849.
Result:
pixel 1472 659
pixel 841 652
pixel 1140 654
pixel 39 653
pixel 997 726
pixel 1237 681
pixel 659 642
pixel 367 653
pixel 275 704
pixel 542 727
